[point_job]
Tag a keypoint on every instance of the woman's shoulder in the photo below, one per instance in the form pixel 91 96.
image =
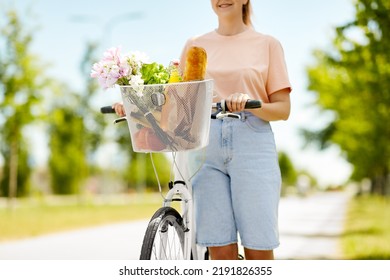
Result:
pixel 263 37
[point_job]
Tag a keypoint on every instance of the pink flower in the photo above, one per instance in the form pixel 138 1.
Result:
pixel 111 68
pixel 117 69
pixel 112 54
pixel 107 73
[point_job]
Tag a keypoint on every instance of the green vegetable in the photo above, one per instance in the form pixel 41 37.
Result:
pixel 154 73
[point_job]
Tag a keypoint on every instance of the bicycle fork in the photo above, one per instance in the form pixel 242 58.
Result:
pixel 179 191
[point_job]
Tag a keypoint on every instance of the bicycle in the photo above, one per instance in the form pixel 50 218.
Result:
pixel 170 234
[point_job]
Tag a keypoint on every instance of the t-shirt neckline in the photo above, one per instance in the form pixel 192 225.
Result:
pixel 232 36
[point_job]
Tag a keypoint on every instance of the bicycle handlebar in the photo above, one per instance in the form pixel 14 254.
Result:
pixel 250 104
pixel 107 110
pixel 253 104
pixel 220 108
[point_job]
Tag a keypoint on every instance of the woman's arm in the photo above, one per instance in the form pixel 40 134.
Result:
pixel 277 109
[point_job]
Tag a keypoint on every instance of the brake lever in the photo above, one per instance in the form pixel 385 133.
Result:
pixel 120 120
pixel 221 115
pixel 221 112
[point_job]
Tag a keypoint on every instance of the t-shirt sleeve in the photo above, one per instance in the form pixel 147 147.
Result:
pixel 277 70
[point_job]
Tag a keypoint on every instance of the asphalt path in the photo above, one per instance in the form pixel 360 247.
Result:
pixel 310 228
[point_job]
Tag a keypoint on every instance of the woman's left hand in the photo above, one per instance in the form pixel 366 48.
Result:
pixel 236 102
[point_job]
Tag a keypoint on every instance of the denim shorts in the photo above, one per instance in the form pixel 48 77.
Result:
pixel 237 189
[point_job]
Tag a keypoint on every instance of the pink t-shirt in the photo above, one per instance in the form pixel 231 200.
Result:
pixel 249 62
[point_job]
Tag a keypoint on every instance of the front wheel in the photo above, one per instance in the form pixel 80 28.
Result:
pixel 164 237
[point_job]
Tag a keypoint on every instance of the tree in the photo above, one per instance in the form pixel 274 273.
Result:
pixel 352 81
pixel 289 174
pixel 93 122
pixel 75 131
pixel 67 160
pixel 138 171
pixel 21 81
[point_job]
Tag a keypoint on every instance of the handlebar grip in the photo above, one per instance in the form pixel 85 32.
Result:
pixel 253 104
pixel 107 110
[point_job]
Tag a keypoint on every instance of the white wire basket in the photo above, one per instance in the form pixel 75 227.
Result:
pixel 168 117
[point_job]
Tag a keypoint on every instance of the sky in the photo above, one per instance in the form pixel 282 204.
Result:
pixel 62 29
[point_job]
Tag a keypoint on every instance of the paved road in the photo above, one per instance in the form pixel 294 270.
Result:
pixel 309 229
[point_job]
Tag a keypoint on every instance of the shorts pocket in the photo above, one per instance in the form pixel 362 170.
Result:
pixel 257 125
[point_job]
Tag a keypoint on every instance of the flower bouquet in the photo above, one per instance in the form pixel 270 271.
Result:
pixel 162 116
pixel 132 69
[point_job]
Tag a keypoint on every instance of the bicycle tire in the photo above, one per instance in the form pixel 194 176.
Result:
pixel 164 236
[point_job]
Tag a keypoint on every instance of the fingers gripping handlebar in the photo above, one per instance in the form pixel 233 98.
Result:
pixel 110 110
pixel 222 108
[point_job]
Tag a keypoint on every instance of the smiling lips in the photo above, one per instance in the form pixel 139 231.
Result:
pixel 224 5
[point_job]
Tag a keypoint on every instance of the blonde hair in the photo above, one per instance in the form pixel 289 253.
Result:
pixel 246 13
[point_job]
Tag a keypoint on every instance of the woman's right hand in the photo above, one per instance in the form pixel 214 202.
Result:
pixel 119 109
pixel 236 102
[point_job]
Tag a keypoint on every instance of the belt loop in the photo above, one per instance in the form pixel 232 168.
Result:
pixel 243 116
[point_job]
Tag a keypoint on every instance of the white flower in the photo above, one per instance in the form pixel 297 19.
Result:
pixel 141 57
pixel 137 83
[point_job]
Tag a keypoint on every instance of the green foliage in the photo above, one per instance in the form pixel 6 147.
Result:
pixel 353 82
pixel 21 82
pixel 140 173
pixel 93 123
pixel 67 159
pixel 289 174
pixel 23 173
pixel 76 129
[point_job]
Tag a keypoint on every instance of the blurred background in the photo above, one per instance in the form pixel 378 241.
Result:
pixel 64 165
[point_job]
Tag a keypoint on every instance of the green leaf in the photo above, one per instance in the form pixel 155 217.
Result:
pixel 154 73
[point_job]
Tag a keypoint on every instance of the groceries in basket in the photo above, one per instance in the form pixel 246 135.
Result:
pixel 165 110
pixel 146 139
pixel 196 63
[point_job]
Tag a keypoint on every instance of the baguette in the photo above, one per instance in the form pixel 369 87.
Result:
pixel 196 63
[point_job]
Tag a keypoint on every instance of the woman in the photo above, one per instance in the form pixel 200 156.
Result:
pixel 238 187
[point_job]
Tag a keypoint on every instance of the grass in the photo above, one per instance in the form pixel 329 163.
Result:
pixel 367 232
pixel 33 217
